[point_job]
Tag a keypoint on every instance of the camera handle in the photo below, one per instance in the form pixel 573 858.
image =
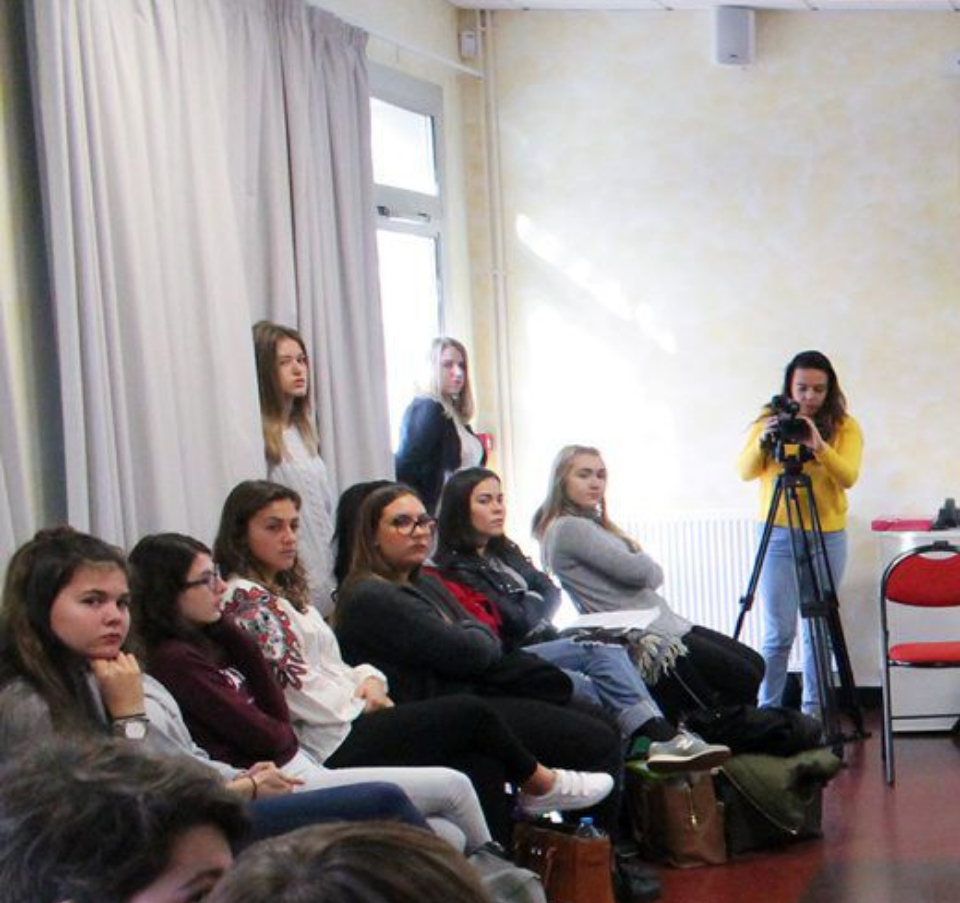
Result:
pixel 817 594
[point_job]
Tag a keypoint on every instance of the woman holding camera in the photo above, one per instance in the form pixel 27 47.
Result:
pixel 830 445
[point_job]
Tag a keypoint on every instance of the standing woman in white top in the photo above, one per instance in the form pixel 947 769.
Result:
pixel 435 437
pixel 292 450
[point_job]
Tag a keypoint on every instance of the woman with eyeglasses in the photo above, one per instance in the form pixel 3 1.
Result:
pixel 409 626
pixel 344 716
pixel 293 451
pixel 65 671
pixel 230 701
pixel 435 436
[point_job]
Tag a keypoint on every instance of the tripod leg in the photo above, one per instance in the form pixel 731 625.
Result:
pixel 838 640
pixel 746 602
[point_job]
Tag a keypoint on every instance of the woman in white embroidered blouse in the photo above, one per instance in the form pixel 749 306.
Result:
pixel 343 715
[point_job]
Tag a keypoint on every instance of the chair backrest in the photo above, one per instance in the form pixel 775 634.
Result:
pixel 927 577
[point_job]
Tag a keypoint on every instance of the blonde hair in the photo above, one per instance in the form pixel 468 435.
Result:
pixel 557 502
pixel 266 337
pixel 462 405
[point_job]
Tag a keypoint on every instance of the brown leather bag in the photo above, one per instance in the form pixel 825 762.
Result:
pixel 677 820
pixel 573 869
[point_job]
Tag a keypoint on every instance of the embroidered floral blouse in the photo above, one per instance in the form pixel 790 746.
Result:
pixel 320 688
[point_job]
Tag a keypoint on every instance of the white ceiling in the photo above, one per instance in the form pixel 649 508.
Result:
pixel 807 5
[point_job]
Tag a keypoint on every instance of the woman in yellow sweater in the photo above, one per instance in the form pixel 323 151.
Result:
pixel 833 444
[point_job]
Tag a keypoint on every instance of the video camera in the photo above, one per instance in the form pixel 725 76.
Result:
pixel 789 433
pixel 790 429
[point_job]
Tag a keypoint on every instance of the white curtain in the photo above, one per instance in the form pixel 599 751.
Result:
pixel 172 214
pixel 15 515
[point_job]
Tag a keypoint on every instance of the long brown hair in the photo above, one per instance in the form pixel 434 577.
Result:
pixel 557 503
pixel 29 649
pixel 266 337
pixel 231 550
pixel 366 559
pixel 834 407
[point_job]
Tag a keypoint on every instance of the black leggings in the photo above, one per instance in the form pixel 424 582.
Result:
pixel 718 670
pixel 577 736
pixel 461 732
pixel 491 739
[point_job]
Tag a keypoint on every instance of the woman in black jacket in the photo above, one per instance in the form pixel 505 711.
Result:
pixel 493 578
pixel 415 632
pixel 435 437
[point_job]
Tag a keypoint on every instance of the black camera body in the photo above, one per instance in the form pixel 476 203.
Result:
pixel 790 429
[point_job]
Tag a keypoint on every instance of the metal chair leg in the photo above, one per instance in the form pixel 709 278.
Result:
pixel 889 770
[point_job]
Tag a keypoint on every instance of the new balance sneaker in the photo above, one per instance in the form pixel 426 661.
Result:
pixel 685 752
pixel 572 790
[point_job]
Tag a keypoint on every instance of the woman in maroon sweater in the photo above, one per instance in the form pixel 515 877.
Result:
pixel 230 700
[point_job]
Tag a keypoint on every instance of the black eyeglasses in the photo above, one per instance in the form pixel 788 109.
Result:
pixel 209 580
pixel 404 523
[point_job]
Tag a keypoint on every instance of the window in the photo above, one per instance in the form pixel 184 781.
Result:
pixel 407 147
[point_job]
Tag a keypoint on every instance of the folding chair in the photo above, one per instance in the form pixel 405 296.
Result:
pixel 925 577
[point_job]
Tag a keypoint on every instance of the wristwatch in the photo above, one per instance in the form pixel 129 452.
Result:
pixel 133 727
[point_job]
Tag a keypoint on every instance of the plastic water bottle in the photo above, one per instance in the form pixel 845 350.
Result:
pixel 586 828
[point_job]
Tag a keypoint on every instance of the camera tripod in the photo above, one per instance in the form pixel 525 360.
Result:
pixel 816 591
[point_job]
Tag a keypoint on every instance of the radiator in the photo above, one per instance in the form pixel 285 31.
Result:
pixel 706 558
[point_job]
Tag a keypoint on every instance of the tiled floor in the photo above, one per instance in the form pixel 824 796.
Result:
pixel 880 844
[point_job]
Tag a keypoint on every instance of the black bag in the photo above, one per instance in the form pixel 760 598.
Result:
pixel 522 674
pixel 770 801
pixel 771 730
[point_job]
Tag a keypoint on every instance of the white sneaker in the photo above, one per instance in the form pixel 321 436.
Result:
pixel 572 790
pixel 685 752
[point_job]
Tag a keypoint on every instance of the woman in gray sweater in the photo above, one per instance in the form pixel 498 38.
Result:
pixel 604 570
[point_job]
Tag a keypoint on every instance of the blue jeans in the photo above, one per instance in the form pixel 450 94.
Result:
pixel 603 674
pixel 781 607
pixel 372 801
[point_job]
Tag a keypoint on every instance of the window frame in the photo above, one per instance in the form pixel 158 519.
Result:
pixel 403 210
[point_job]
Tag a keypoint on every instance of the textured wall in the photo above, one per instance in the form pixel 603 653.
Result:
pixel 677 230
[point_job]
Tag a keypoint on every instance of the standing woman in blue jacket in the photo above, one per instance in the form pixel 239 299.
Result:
pixel 435 437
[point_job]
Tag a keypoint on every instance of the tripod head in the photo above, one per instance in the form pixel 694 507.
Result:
pixel 791 457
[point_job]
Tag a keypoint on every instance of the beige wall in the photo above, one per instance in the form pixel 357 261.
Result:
pixel 677 230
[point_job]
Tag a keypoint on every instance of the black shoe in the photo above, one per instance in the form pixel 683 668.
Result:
pixel 634 882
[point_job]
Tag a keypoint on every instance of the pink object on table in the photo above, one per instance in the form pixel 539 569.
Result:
pixel 901 524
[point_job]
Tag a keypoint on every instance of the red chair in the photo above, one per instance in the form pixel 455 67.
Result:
pixel 925 577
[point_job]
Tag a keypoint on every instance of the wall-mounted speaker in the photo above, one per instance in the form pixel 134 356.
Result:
pixel 735 36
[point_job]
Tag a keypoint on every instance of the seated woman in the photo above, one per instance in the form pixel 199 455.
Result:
pixel 63 671
pixel 343 715
pixel 230 700
pixel 474 553
pixel 415 632
pixel 605 570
